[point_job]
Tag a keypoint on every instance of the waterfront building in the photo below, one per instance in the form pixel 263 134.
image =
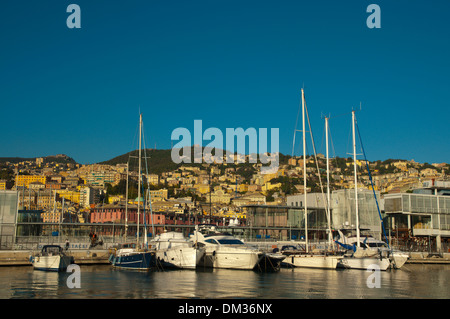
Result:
pixel 9 204
pixel 115 213
pixel 423 214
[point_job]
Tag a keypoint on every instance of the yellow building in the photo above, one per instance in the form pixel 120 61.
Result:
pixel 70 195
pixel 269 186
pixel 202 188
pixel 2 185
pixel 243 188
pixel 25 180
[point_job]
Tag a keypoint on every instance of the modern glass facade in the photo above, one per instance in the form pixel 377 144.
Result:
pixel 425 214
pixel 8 212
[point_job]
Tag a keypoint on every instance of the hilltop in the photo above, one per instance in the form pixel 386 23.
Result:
pixel 59 158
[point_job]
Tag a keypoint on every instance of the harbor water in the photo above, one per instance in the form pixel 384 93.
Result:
pixel 102 282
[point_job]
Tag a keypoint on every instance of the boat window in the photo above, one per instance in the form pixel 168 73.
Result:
pixel 377 245
pixel 230 242
pixel 211 241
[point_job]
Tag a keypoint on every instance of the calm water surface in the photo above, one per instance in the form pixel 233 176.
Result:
pixel 101 281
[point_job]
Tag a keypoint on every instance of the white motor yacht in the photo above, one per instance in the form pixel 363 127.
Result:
pixel 174 250
pixel 223 250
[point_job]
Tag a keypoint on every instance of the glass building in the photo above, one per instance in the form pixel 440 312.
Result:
pixel 9 201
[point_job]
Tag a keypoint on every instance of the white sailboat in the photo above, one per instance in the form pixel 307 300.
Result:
pixel 222 250
pixel 397 258
pixel 174 250
pixel 359 257
pixel 132 256
pixel 51 258
pixel 308 259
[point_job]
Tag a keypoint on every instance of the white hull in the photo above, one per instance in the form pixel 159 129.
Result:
pixel 399 259
pixel 230 258
pixel 312 261
pixel 52 263
pixel 364 263
pixel 180 257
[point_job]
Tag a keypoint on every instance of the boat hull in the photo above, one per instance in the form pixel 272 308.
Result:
pixel 134 261
pixel 179 257
pixel 52 263
pixel 312 261
pixel 364 263
pixel 231 258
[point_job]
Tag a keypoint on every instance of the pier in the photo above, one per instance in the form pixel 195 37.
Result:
pixel 81 257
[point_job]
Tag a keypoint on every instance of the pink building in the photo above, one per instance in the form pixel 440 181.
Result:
pixel 116 214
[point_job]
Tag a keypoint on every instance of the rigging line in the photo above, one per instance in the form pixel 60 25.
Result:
pixel 295 130
pixel 371 182
pixel 148 182
pixel 317 163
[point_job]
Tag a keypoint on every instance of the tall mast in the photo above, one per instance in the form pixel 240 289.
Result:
pixel 126 203
pixel 139 178
pixel 304 169
pixel 328 181
pixel 356 180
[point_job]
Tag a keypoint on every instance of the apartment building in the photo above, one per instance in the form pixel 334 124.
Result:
pixel 25 180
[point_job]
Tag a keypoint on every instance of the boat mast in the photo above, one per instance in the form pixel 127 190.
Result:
pixel 139 179
pixel 356 180
pixel 330 236
pixel 126 202
pixel 304 169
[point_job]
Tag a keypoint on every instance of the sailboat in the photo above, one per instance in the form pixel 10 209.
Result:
pixel 131 255
pixel 358 256
pixel 308 259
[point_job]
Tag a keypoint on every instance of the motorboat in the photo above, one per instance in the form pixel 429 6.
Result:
pixel 222 250
pixel 129 256
pixel 51 258
pixel 174 250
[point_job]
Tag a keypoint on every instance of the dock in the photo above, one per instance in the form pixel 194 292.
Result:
pixel 427 258
pixel 101 256
pixel 81 257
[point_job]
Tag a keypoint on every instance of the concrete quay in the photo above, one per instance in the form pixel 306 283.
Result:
pixel 426 258
pixel 101 256
pixel 81 257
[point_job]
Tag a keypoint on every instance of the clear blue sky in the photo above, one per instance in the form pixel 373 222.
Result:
pixel 229 63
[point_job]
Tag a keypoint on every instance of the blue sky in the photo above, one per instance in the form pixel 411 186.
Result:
pixel 229 63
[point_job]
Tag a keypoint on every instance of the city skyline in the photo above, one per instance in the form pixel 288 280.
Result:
pixel 236 64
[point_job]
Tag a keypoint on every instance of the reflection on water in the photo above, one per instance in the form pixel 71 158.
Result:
pixel 101 281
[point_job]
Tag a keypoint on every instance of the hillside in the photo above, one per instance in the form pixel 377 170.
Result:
pixel 159 161
pixel 60 158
